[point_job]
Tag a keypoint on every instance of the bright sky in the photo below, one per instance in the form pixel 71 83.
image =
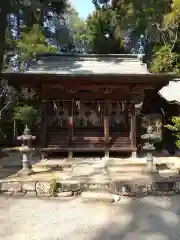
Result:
pixel 83 7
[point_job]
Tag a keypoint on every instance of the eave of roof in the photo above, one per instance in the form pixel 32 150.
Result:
pixel 156 78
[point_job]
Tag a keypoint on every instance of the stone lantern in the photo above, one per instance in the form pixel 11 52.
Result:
pixel 150 137
pixel 26 150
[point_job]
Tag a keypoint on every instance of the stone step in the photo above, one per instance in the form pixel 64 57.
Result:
pixel 126 167
pixel 169 173
pixel 95 185
pixel 98 196
pixel 142 188
pixel 130 177
pixel 119 170
pixel 126 164
pixel 61 164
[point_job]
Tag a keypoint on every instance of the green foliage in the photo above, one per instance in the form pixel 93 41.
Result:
pixel 141 15
pixel 77 28
pixel 53 187
pixel 6 126
pixel 167 58
pixel 172 19
pixel 175 128
pixel 165 61
pixel 25 114
pixel 32 42
pixel 100 23
pixel 33 12
pixel 36 11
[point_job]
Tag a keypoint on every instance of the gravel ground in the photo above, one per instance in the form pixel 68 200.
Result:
pixel 131 219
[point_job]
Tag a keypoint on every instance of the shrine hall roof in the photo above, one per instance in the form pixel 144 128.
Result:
pixel 84 64
pixel 55 67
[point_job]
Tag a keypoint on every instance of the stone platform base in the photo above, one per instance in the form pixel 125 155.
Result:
pixel 91 179
pixel 66 189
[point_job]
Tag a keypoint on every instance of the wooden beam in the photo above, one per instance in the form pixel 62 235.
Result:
pixel 133 127
pixel 70 123
pixel 43 135
pixel 106 125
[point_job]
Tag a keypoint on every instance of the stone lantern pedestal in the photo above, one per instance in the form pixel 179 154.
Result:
pixel 149 148
pixel 26 151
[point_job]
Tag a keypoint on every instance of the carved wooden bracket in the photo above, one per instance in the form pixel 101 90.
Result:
pixel 141 88
pixel 72 91
pixel 107 91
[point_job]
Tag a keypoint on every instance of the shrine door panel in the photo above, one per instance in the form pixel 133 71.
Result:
pixel 118 125
pixel 57 123
pixel 88 124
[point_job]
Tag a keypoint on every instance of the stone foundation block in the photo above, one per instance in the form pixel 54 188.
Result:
pixel 132 189
pixel 31 194
pixel 163 186
pixel 177 187
pixel 29 186
pixel 43 189
pixel 140 189
pixel 11 187
pixel 19 194
pixel 7 194
pixel 65 194
pixel 123 189
pixel 106 186
pixel 68 186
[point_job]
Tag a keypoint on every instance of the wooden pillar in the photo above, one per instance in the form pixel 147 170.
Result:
pixel 70 127
pixel 43 129
pixel 106 129
pixel 133 130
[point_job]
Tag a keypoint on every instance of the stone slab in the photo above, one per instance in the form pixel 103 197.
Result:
pixel 19 194
pixel 87 171
pixel 65 194
pixel 7 194
pixel 70 185
pixel 169 173
pixel 162 193
pixel 124 169
pixel 97 186
pixel 130 177
pixel 30 194
pixel 163 186
pixel 11 187
pixel 43 189
pixel 29 186
pixel 177 187
pixel 97 196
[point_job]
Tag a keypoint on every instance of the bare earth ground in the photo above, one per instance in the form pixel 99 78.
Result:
pixel 131 219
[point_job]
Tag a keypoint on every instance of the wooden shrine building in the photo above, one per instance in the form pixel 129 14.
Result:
pixel 89 102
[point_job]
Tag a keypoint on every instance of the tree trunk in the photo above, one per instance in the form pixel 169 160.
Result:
pixel 4 8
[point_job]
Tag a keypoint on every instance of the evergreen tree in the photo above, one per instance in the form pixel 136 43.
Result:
pixel 32 42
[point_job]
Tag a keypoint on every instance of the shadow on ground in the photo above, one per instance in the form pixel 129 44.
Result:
pixel 11 163
pixel 146 218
